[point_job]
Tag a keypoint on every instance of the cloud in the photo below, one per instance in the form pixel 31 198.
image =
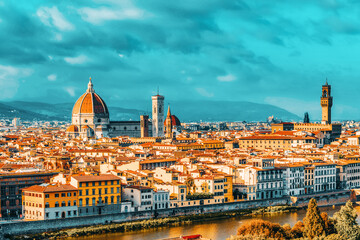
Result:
pixel 203 92
pixel 9 80
pixel 70 91
pixel 76 60
pixel 102 14
pixel 53 17
pixel 227 78
pixel 52 77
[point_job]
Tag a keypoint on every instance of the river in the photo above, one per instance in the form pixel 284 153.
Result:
pixel 214 230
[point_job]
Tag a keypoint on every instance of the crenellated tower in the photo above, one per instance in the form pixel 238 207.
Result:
pixel 326 103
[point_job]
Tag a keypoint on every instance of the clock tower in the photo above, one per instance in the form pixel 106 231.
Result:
pixel 326 103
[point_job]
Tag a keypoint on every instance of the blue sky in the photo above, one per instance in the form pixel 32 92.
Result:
pixel 276 52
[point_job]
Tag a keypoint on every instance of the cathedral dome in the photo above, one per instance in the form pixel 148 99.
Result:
pixel 72 128
pixel 90 103
pixel 174 121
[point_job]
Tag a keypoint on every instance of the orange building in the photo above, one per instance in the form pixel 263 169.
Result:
pixel 46 201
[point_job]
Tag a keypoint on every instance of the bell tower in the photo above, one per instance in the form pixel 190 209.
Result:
pixel 326 103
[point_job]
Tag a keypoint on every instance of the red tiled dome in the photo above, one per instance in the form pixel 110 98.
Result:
pixel 90 102
pixel 174 121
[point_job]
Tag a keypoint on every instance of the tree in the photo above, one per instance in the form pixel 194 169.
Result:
pixel 346 224
pixel 262 228
pixel 298 230
pixel 328 224
pixel 190 185
pixel 313 223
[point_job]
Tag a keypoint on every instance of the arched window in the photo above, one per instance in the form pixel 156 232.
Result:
pixel 74 202
pixel 112 199
pixel 56 204
pixel 106 200
pixel 118 199
pixel 87 201
pixel 80 202
pixel 63 204
pixel 69 203
pixel 93 201
pixel 47 205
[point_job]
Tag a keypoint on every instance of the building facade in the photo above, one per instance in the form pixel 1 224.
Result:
pixel 91 118
pixel 158 116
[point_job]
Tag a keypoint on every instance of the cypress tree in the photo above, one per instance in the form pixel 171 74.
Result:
pixel 346 224
pixel 313 223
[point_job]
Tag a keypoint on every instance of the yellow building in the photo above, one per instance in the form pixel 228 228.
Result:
pixel 266 141
pixel 46 201
pixel 228 188
pixel 98 194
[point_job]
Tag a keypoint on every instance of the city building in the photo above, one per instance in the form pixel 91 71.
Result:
pixel 91 118
pixel 11 185
pixel 50 201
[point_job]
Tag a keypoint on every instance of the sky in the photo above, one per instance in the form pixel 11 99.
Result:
pixel 274 52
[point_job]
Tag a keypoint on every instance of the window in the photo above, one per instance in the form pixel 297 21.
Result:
pixel 106 183
pixel 87 201
pixel 99 183
pixel 56 214
pixel 87 184
pixel 80 192
pixel 56 195
pixel 74 194
pixel 99 191
pixel 47 205
pixel 74 202
pixel 87 192
pixel 69 203
pixel 63 204
pixel 75 212
pixel 69 194
pixel 46 195
pixel 63 195
pixel 56 204
pixel 80 202
pixel 93 192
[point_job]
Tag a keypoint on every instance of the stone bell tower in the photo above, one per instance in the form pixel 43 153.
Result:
pixel 326 103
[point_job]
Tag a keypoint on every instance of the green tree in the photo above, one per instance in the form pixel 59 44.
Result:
pixel 313 223
pixel 346 224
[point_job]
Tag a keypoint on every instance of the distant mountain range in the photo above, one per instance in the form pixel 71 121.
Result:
pixel 186 111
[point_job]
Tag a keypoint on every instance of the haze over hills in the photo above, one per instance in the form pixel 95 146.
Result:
pixel 186 111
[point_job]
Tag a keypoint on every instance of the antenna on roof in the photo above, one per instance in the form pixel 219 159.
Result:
pixel 158 90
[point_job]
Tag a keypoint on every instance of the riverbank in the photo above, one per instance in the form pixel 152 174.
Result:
pixel 153 223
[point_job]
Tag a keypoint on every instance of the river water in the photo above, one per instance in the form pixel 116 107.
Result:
pixel 214 230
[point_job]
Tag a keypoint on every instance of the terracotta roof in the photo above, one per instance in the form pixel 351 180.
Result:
pixel 91 178
pixel 90 102
pixel 50 188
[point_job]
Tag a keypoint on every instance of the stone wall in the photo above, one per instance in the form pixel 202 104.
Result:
pixel 27 227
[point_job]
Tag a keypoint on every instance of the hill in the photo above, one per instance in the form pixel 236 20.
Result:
pixel 186 111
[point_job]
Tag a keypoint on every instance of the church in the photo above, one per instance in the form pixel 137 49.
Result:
pixel 91 119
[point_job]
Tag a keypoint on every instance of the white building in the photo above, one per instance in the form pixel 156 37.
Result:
pixel 324 177
pixel 294 180
pixel 141 197
pixel 161 199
